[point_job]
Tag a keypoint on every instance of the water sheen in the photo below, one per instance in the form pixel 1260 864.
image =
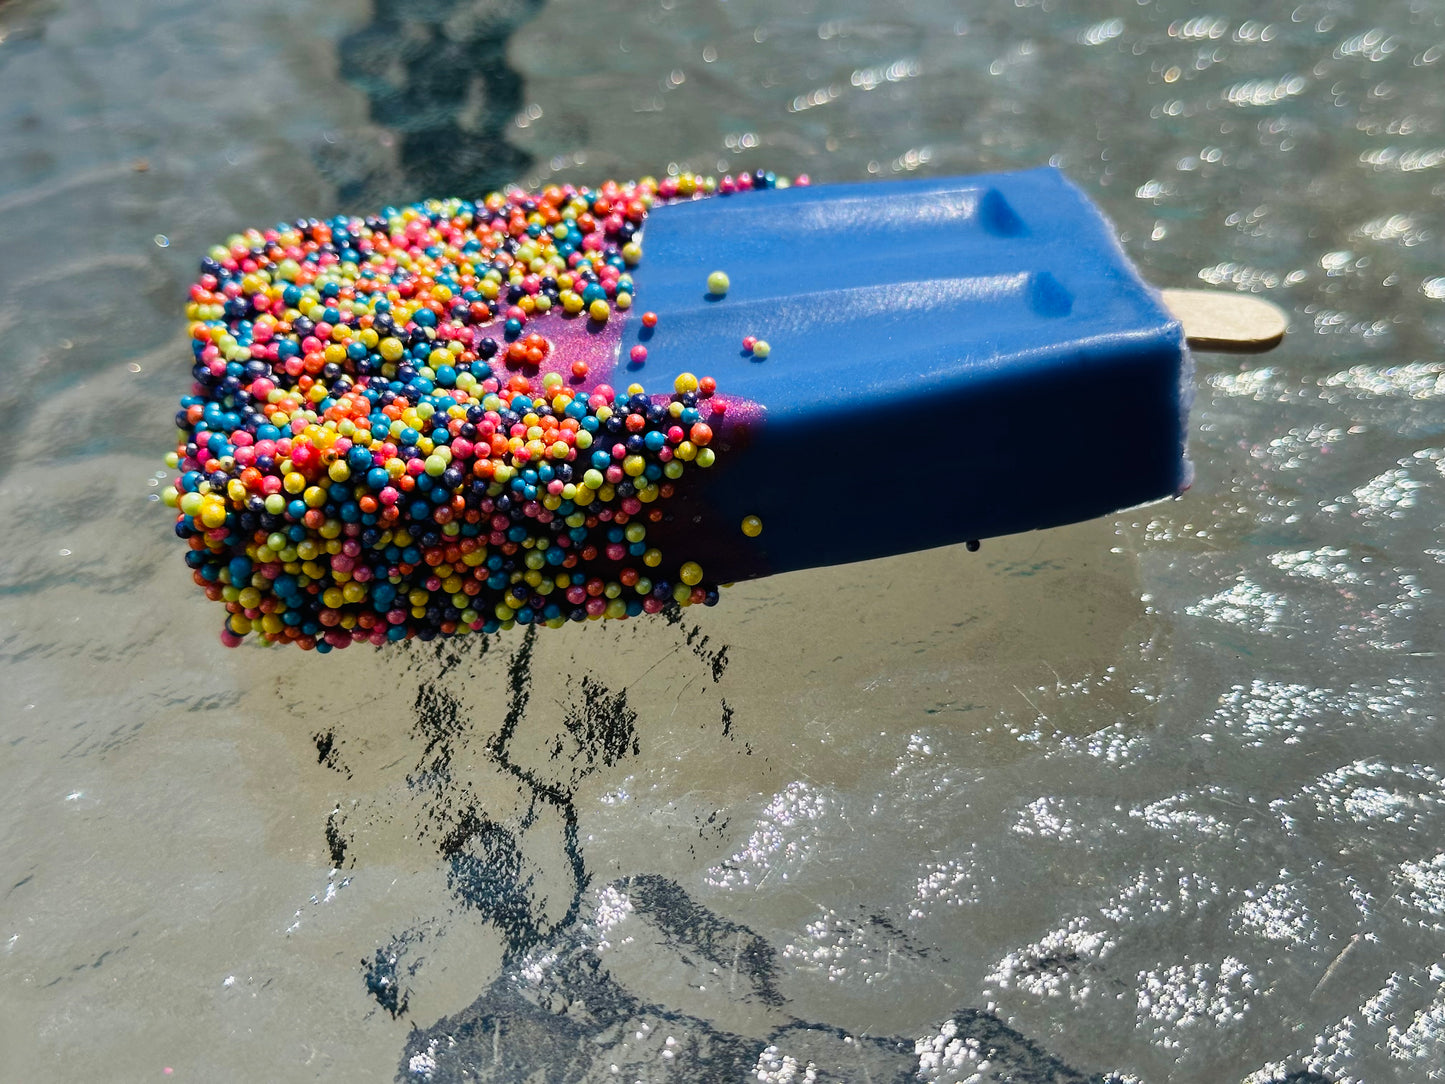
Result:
pixel 1159 797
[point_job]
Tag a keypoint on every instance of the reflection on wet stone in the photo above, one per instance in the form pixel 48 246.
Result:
pixel 566 1012
pixel 636 977
pixel 435 72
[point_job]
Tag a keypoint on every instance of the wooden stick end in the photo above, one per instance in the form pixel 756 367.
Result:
pixel 1227 322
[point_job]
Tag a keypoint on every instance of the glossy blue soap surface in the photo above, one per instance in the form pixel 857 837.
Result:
pixel 950 359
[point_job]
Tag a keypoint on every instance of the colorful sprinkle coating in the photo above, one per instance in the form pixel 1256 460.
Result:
pixel 383 441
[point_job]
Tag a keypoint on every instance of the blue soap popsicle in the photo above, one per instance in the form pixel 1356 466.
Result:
pixel 415 424
pixel 951 359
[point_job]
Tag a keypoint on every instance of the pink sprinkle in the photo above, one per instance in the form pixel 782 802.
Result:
pixel 639 353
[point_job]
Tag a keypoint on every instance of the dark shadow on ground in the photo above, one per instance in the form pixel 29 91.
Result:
pixel 436 74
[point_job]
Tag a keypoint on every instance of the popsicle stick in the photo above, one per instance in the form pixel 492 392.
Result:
pixel 1226 322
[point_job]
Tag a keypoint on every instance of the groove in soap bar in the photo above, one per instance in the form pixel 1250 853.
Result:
pixel 869 217
pixel 1048 296
pixel 1039 292
pixel 997 216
